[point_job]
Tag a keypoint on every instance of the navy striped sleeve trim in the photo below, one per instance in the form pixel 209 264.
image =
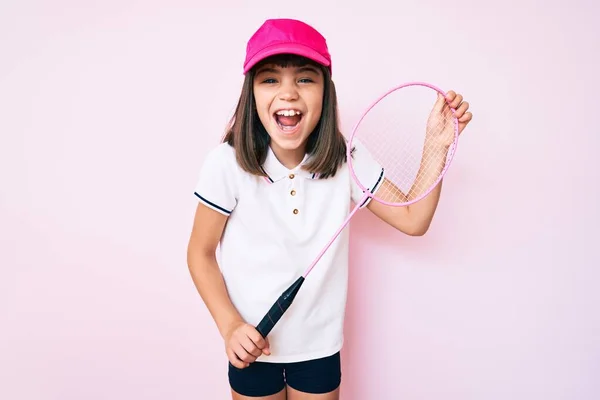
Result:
pixel 212 205
pixel 375 187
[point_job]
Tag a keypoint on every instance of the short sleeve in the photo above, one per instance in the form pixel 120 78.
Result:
pixel 216 186
pixel 368 171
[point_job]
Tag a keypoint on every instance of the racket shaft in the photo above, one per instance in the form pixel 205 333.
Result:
pixel 337 233
pixel 279 308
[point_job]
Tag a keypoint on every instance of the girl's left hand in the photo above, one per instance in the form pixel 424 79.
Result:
pixel 455 100
pixel 439 115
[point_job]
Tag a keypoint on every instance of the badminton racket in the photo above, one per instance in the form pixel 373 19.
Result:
pixel 411 132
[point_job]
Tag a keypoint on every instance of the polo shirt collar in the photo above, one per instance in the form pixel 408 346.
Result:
pixel 277 171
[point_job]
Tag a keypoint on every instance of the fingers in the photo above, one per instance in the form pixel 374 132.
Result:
pixel 245 345
pixel 453 99
pixel 440 102
pixel 462 109
pixel 234 360
pixel 252 350
pixel 466 117
pixel 259 341
pixel 242 353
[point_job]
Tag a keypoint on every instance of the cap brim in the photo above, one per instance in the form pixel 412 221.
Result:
pixel 290 48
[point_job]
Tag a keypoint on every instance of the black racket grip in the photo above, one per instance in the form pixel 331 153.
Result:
pixel 278 308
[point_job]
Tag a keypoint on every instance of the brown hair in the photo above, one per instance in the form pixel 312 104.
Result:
pixel 326 145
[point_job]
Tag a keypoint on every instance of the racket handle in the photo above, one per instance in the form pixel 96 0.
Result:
pixel 279 308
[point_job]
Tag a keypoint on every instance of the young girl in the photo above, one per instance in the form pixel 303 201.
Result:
pixel 270 196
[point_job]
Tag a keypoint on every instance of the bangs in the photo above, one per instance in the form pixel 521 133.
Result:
pixel 287 60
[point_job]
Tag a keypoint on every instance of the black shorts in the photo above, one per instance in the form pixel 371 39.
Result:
pixel 322 375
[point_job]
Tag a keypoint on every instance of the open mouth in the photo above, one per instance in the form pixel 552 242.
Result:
pixel 288 120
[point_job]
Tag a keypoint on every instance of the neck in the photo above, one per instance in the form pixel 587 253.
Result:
pixel 289 158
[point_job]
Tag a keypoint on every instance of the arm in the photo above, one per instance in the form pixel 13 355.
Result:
pixel 243 342
pixel 202 263
pixel 416 218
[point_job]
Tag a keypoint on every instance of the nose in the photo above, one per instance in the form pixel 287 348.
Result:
pixel 288 90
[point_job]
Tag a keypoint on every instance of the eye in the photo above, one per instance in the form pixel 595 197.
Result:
pixel 305 80
pixel 269 80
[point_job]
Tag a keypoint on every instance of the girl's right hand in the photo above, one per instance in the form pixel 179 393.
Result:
pixel 244 344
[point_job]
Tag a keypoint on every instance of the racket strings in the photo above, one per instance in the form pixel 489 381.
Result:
pixel 412 138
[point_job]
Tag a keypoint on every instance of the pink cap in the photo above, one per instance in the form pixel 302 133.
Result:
pixel 281 36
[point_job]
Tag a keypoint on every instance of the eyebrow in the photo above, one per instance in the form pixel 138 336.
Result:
pixel 266 70
pixel 306 68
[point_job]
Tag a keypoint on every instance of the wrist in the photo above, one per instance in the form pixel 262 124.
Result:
pixel 437 147
pixel 436 153
pixel 228 326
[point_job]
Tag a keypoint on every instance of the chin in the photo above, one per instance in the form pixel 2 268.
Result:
pixel 288 143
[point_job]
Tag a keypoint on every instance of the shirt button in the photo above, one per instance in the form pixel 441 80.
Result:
pixel 291 176
pixel 295 211
pixel 293 192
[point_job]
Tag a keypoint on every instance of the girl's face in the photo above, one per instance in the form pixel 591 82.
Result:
pixel 289 102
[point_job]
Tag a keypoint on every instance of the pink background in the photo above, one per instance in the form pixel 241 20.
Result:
pixel 108 108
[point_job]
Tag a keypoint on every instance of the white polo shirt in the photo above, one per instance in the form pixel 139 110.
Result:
pixel 276 227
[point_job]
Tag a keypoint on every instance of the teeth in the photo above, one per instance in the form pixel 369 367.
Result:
pixel 288 113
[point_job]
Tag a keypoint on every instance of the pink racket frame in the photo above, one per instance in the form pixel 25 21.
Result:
pixel 449 159
pixel 367 192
